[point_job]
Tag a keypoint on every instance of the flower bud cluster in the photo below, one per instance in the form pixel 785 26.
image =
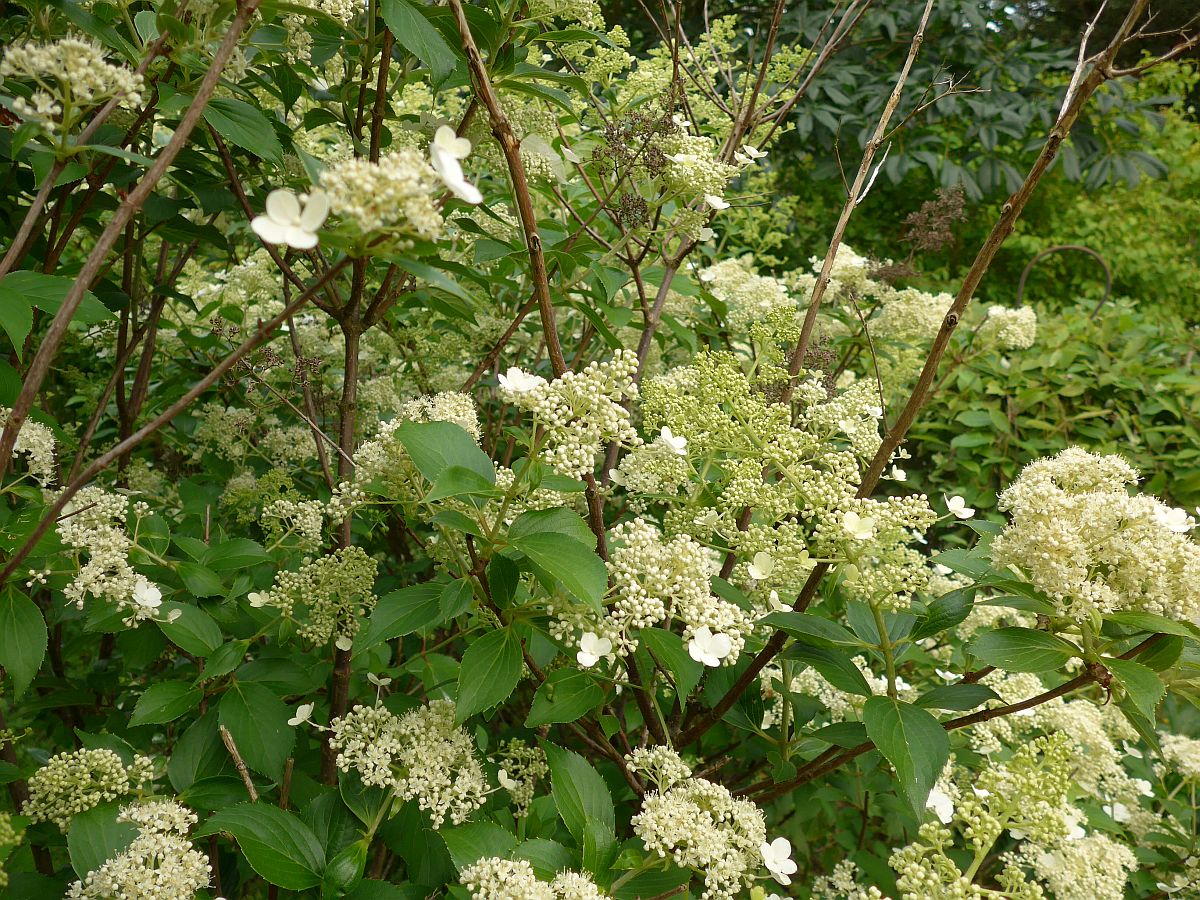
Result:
pixel 522 766
pixel 328 595
pixel 37 443
pixel 495 878
pixel 1009 329
pixel 73 782
pixel 397 194
pixel 660 765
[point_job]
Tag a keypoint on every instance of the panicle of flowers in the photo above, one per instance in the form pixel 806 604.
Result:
pixel 1009 329
pixel 1182 755
pixel 305 519
pixel 397 194
pixel 521 766
pixel 842 884
pixel 1078 536
pixel 160 863
pixel 1094 867
pixel 334 591
pixel 422 755
pixel 8 838
pixel 581 411
pixel 37 443
pixel 693 170
pixel 699 825
pixel 748 295
pixel 661 766
pixel 495 878
pixel 75 781
pixel 71 76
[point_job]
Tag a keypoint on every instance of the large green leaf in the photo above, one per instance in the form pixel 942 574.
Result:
pixel 1022 650
pixel 245 126
pixel 415 34
pixel 564 696
pixel 812 629
pixel 834 665
pixel 668 650
pixel 258 721
pixel 491 668
pixel 913 742
pixel 96 836
pixel 436 446
pixel 192 629
pixel 276 844
pixel 22 638
pixel 1142 684
pixel 579 792
pixel 401 612
pixel 475 840
pixel 165 701
pixel 560 544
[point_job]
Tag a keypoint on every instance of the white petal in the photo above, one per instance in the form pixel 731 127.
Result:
pixel 269 230
pixel 283 206
pixel 315 211
pixel 300 239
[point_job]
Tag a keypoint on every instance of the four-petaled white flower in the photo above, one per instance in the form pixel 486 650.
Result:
pixel 344 643
pixel 520 382
pixel 677 445
pixel 1174 519
pixel 591 648
pixel 761 566
pixel 958 507
pixel 709 648
pixel 303 714
pixel 257 599
pixel 777 857
pixel 146 593
pixel 290 221
pixel 941 804
pixel 1118 811
pixel 680 121
pixel 378 680
pixel 716 202
pixel 776 604
pixel 505 782
pixel 898 474
pixel 445 151
pixel 706 235
pixel 753 152
pixel 861 528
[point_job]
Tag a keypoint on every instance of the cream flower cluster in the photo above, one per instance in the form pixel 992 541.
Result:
pixel 1078 536
pixel 422 755
pixel 699 825
pixel 397 194
pixel 93 522
pixel 8 838
pixel 495 878
pixel 1095 867
pixel 1182 754
pixel 73 782
pixel 37 443
pixel 581 411
pixel 160 863
pixel 70 76
pixel 748 295
pixel 1009 329
pixel 303 518
pixel 333 593
pixel 661 766
pixel 522 766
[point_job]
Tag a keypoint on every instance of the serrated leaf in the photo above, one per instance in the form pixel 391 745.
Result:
pixel 960 697
pixel 276 844
pixel 97 836
pixel 835 666
pixel 579 792
pixel 416 35
pixel 491 668
pixel 1022 650
pixel 473 841
pixel 244 126
pixel 258 721
pixel 912 741
pixel 812 630
pixel 23 639
pixel 668 649
pixel 564 696
pixel 399 613
pixel 436 446
pixel 164 702
pixel 1143 686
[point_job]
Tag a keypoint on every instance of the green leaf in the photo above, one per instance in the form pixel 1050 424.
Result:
pixel 399 613
pixel 96 836
pixel 193 629
pixel 564 696
pixel 244 125
pixel 238 553
pixel 491 668
pixel 165 702
pixel 944 612
pixel 345 870
pixel 16 318
pixel 455 599
pixel 1144 687
pixel 258 721
pixel 579 792
pixel 547 857
pixel 276 844
pixel 912 741
pixel 1022 650
pixel 559 521
pixel 842 734
pixel 836 667
pixel 457 481
pixel 475 840
pixel 21 292
pixel 812 630
pixel 199 580
pixel 561 545
pixel 414 33
pixel 961 697
pixel 1140 621
pixel 436 446
pixel 22 639
pixel 668 649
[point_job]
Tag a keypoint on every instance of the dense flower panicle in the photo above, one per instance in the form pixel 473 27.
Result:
pixel 1182 755
pixel 701 826
pixel 76 781
pixel 72 77
pixel 334 592
pixel 1009 329
pixel 422 755
pixel 494 878
pixel 1077 535
pixel 8 837
pixel 398 193
pixel 1095 867
pixel 36 443
pixel 661 766
pixel 303 518
pixel 160 863
pixel 748 295
pixel 581 412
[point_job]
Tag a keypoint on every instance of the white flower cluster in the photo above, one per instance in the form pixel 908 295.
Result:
pixel 693 170
pixel 93 522
pixel 71 77
pixel 842 884
pixel 1182 754
pixel 73 782
pixel 658 579
pixel 1094 867
pixel 334 592
pixel 160 863
pixel 37 442
pixel 1009 329
pixel 397 194
pixel 495 878
pixel 701 826
pixel 748 295
pixel 303 518
pixel 522 767
pixel 422 755
pixel 660 765
pixel 1078 536
pixel 581 411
